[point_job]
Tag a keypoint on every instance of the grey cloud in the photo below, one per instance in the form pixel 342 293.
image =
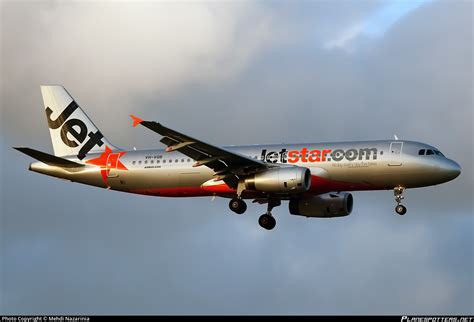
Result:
pixel 123 51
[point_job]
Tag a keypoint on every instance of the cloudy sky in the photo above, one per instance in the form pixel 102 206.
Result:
pixel 237 73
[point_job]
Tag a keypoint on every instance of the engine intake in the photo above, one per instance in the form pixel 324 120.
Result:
pixel 323 206
pixel 279 180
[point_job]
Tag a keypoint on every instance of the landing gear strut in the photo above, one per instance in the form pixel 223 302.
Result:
pixel 266 220
pixel 398 192
pixel 238 206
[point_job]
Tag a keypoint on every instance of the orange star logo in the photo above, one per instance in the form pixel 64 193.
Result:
pixel 107 161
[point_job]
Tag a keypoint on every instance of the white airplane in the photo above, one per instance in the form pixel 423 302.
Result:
pixel 313 177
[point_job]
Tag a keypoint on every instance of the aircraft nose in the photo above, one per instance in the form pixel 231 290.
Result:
pixel 450 169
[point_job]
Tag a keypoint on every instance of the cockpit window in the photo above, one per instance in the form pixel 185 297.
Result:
pixel 430 152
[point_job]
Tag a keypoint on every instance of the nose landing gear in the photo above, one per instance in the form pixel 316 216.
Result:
pixel 401 210
pixel 398 192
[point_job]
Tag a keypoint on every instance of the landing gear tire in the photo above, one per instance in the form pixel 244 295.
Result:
pixel 398 192
pixel 401 210
pixel 238 206
pixel 267 221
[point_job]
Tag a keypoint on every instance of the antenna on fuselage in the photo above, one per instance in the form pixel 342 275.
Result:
pixel 396 137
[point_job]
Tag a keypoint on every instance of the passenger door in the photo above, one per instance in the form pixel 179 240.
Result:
pixel 395 154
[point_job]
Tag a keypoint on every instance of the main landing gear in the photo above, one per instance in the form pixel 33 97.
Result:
pixel 238 206
pixel 266 220
pixel 398 192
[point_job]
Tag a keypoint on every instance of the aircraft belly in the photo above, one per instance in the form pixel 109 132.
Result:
pixel 378 174
pixel 350 173
pixel 169 182
pixel 86 175
pixel 384 175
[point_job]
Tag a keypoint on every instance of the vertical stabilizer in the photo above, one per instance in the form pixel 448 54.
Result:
pixel 72 132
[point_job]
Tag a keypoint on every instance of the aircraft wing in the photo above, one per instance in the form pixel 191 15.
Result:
pixel 228 166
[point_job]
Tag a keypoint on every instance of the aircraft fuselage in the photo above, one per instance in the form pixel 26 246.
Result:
pixel 346 166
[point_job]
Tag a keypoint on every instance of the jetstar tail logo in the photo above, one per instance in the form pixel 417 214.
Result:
pixel 76 128
pixel 108 160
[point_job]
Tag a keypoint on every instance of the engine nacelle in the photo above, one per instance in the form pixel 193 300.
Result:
pixel 278 180
pixel 323 206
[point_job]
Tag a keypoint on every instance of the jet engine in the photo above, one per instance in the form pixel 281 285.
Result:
pixel 280 180
pixel 323 206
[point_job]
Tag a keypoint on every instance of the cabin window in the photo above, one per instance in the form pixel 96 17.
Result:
pixel 146 162
pixel 157 161
pixel 133 162
pixel 164 161
pixel 152 161
pixel 182 160
pixel 189 160
pixel 421 152
pixel 140 162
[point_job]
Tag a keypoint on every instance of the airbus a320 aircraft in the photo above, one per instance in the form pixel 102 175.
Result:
pixel 313 177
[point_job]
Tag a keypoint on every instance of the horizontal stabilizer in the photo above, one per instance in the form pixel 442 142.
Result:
pixel 49 159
